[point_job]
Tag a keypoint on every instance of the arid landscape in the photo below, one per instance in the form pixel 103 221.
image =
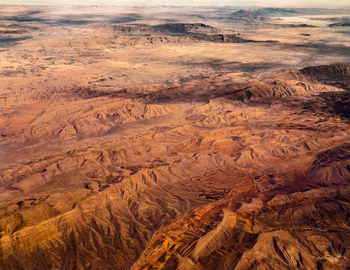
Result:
pixel 173 137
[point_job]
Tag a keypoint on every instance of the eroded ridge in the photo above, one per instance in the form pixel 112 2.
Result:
pixel 204 174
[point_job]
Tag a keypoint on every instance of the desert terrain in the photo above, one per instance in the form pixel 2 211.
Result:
pixel 174 138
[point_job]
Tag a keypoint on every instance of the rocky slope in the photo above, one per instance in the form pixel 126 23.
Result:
pixel 204 174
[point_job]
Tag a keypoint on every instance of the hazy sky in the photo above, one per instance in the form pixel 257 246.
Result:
pixel 280 3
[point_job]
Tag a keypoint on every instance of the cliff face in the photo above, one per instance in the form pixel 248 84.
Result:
pixel 205 174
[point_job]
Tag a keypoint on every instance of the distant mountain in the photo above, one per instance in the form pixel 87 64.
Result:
pixel 280 10
pixel 261 14
pixel 340 24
